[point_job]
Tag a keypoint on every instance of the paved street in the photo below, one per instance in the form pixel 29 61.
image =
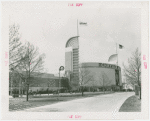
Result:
pixel 101 103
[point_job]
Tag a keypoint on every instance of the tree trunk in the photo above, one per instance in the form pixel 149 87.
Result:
pixel 27 92
pixel 82 91
pixel 48 90
pixel 11 88
pixel 140 92
pixel 139 81
pixel 104 90
pixel 20 87
pixel 21 90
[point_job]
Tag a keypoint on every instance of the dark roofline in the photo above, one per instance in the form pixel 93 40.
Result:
pixel 96 63
pixel 70 40
pixel 39 75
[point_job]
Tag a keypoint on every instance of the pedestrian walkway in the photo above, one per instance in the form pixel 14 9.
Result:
pixel 100 103
pixel 60 94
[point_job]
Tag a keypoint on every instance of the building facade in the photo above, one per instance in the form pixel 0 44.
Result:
pixel 72 56
pixel 100 75
pixel 39 82
pixel 90 74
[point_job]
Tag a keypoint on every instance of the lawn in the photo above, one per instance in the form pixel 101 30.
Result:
pixel 21 103
pixel 132 104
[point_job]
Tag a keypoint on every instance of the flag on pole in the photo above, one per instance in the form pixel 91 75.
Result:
pixel 113 57
pixel 83 23
pixel 121 46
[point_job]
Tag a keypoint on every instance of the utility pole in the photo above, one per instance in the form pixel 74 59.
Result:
pixel 61 68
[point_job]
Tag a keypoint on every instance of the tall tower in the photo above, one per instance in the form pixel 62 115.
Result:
pixel 72 56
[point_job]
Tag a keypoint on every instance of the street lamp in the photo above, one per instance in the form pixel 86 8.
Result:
pixel 61 68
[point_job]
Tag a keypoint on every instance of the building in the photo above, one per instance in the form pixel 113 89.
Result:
pixel 72 56
pixel 39 82
pixel 102 74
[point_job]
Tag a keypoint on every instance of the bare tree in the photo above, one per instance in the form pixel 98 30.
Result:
pixel 104 80
pixel 15 49
pixel 31 62
pixel 132 71
pixel 23 59
pixel 85 77
pixel 15 46
pixel 17 78
pixel 14 83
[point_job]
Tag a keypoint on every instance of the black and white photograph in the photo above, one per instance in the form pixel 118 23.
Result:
pixel 75 58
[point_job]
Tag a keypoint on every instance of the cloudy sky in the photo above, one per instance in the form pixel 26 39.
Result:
pixel 49 25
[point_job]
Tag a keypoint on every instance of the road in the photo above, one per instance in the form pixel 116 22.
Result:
pixel 100 103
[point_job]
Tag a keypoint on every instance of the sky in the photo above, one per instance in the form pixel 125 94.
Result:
pixel 48 25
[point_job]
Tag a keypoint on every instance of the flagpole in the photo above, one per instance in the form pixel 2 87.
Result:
pixel 117 54
pixel 77 28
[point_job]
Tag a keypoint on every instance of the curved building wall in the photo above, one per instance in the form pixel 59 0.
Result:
pixel 100 74
pixel 73 42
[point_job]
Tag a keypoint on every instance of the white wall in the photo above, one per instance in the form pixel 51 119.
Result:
pixel 99 74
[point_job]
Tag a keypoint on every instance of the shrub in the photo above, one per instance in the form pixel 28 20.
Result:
pixel 15 95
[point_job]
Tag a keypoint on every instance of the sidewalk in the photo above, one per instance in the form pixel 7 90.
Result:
pixel 59 95
pixel 98 103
